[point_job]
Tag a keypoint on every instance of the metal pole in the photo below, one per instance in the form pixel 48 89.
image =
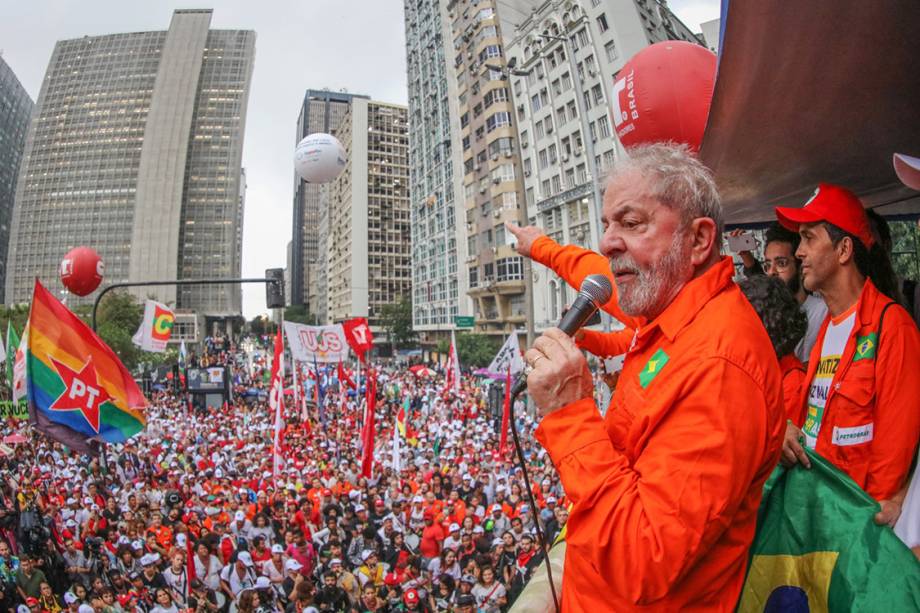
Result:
pixel 594 221
pixel 107 289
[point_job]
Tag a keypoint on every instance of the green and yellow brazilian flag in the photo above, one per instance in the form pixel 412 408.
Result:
pixel 817 548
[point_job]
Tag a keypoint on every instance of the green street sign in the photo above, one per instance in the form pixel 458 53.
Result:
pixel 464 321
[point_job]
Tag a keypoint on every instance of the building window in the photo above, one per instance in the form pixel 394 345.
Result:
pixel 535 104
pixel 611 50
pixel 544 161
pixel 510 269
pixel 474 275
pixel 602 23
pixel 489 52
pixel 604 126
pixel 497 120
pixel 557 184
pixel 608 158
pixel 560 115
pixel 557 87
pixel 505 172
pixel 538 129
pixel 597 92
pixel 544 187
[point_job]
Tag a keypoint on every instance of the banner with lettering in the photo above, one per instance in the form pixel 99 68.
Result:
pixel 319 343
pixel 14 410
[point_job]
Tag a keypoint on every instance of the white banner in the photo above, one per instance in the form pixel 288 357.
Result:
pixel 322 343
pixel 156 327
pixel 509 354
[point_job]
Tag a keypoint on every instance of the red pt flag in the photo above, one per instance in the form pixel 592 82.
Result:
pixel 358 336
pixel 367 435
pixel 276 400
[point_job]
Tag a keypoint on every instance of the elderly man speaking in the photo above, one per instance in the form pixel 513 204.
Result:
pixel 666 486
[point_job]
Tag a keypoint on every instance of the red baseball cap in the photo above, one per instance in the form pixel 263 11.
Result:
pixel 833 204
pixel 410 596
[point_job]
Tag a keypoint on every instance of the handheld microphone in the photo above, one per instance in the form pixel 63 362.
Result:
pixel 595 291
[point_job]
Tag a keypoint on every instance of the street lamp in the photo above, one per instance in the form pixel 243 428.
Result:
pixel 588 143
pixel 526 267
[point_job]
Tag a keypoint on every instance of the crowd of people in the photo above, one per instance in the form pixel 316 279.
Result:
pixel 192 515
pixel 212 509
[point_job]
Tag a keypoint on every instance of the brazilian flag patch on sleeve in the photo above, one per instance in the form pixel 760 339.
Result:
pixel 865 347
pixel 653 367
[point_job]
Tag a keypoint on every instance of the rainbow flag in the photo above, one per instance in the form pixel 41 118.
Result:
pixel 74 380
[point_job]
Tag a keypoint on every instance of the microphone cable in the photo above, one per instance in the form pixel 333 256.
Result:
pixel 541 535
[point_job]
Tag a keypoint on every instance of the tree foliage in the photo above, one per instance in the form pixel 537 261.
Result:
pixel 260 325
pixel 396 319
pixel 474 350
pixel 18 314
pixel 298 313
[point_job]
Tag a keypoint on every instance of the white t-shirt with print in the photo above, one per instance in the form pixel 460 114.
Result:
pixel 835 339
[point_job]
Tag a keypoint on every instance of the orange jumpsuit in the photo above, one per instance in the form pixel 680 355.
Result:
pixel 872 413
pixel 793 372
pixel 665 488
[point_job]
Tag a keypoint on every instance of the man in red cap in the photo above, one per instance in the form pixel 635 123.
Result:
pixel 861 404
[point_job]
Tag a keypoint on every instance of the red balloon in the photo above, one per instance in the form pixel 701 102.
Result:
pixel 82 270
pixel 663 94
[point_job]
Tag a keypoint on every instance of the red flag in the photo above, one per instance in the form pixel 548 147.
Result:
pixel 190 566
pixel 506 414
pixel 358 336
pixel 367 438
pixel 344 378
pixel 276 399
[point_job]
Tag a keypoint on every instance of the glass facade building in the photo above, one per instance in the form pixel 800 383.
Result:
pixel 15 112
pixel 322 111
pixel 136 151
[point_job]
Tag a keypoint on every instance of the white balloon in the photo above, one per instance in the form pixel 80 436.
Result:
pixel 319 158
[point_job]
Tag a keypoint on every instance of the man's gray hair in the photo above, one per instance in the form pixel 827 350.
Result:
pixel 677 179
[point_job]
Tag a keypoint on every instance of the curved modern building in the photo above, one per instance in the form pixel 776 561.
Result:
pixel 136 150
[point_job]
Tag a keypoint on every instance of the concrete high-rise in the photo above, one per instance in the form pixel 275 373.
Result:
pixel 439 276
pixel 321 111
pixel 136 151
pixel 15 112
pixel 491 186
pixel 553 125
pixel 368 216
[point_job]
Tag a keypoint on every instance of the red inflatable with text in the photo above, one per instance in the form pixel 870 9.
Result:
pixel 663 94
pixel 82 270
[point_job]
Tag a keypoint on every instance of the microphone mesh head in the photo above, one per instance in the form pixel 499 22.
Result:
pixel 597 288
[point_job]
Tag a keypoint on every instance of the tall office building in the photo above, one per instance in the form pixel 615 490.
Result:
pixel 491 186
pixel 368 215
pixel 439 275
pixel 15 112
pixel 321 111
pixel 558 185
pixel 136 151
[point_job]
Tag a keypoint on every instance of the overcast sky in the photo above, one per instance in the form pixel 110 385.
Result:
pixel 358 45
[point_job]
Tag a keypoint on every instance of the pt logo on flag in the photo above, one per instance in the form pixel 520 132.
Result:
pixel 82 392
pixel 163 322
pixel 358 335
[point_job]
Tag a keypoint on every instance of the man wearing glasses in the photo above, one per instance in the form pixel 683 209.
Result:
pixel 780 261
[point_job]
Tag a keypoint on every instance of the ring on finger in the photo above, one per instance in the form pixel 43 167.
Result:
pixel 533 364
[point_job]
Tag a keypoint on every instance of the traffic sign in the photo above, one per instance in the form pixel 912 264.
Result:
pixel 464 321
